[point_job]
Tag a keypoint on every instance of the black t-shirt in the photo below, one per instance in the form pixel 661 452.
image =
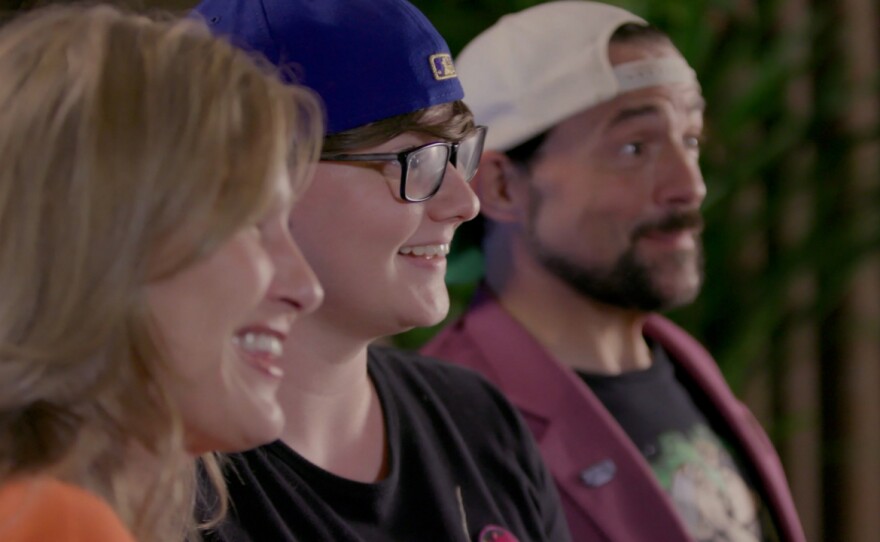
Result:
pixel 710 488
pixel 462 462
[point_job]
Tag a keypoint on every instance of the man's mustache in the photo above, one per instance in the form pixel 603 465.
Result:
pixel 673 222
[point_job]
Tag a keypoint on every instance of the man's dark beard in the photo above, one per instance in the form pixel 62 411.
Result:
pixel 628 282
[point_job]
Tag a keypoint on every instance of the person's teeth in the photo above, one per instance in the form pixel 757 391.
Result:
pixel 427 251
pixel 260 343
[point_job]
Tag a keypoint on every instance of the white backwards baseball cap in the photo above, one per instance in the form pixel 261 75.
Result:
pixel 537 67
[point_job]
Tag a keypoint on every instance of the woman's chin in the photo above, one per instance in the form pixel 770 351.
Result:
pixel 237 437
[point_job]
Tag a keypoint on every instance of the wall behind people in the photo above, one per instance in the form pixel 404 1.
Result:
pixel 791 303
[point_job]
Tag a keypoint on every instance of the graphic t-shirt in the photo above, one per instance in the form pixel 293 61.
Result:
pixel 702 475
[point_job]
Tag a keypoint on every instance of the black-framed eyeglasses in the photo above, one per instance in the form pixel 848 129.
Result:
pixel 422 168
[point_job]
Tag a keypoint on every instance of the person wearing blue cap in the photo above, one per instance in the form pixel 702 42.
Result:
pixel 380 444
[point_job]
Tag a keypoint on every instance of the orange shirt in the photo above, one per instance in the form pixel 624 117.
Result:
pixel 44 509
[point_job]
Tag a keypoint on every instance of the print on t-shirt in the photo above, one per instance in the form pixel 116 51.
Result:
pixel 703 477
pixel 703 480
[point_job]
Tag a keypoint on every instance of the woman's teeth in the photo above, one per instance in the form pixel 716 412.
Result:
pixel 260 343
pixel 426 251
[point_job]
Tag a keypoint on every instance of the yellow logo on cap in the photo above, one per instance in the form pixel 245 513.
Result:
pixel 441 65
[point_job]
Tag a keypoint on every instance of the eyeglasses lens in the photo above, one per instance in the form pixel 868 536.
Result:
pixel 425 169
pixel 467 159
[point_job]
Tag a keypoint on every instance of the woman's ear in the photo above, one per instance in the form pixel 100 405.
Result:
pixel 501 187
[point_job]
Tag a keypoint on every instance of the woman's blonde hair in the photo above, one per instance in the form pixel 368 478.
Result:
pixel 117 133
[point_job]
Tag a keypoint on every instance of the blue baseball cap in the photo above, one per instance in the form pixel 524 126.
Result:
pixel 367 59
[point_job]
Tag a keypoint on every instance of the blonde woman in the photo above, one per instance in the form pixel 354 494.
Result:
pixel 148 275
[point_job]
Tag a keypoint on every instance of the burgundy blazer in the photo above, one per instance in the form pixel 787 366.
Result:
pixel 607 488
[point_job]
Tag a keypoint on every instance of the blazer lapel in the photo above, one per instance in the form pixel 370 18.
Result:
pixel 753 441
pixel 592 460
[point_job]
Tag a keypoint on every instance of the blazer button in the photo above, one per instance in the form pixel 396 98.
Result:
pixel 599 474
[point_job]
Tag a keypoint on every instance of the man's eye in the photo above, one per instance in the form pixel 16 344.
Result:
pixel 632 149
pixel 692 142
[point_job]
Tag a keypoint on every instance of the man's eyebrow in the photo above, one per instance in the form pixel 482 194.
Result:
pixel 626 114
pixel 697 105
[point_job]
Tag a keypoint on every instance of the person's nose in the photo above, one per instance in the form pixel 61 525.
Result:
pixel 294 282
pixel 455 201
pixel 680 182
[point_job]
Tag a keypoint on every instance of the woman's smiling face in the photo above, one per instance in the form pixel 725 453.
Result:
pixel 223 322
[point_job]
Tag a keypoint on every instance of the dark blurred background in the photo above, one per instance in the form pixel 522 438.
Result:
pixel 791 304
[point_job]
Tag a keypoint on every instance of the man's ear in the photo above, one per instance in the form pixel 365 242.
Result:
pixel 501 187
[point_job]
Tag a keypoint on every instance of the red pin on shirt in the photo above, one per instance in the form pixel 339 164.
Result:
pixel 494 533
